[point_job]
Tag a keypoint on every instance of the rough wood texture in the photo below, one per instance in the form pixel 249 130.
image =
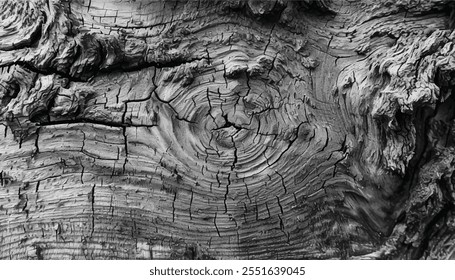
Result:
pixel 226 129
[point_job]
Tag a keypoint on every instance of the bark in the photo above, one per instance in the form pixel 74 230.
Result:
pixel 227 129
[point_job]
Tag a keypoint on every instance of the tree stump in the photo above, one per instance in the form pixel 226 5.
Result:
pixel 227 129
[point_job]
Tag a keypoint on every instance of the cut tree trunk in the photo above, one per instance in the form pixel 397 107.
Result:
pixel 226 129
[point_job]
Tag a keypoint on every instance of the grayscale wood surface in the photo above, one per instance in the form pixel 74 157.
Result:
pixel 227 129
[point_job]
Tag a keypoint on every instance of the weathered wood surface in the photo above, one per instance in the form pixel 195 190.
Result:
pixel 226 129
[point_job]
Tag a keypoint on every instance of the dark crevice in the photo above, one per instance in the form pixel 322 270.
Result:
pixel 36 151
pixel 173 207
pixel 214 222
pixel 425 151
pixel 93 121
pixel 430 231
pixel 92 201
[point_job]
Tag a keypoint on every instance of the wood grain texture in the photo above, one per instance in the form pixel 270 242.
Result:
pixel 226 129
